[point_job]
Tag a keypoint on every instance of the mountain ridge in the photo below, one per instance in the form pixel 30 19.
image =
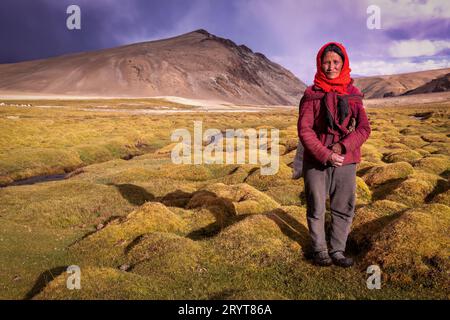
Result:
pixel 195 65
pixel 397 84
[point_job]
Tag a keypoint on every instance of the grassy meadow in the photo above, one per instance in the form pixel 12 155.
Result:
pixel 141 227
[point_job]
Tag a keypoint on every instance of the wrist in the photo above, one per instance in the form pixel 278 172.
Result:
pixel 330 156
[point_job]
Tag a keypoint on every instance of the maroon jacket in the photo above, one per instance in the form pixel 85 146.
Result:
pixel 313 129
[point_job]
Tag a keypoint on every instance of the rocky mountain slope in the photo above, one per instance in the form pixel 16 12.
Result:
pixel 193 65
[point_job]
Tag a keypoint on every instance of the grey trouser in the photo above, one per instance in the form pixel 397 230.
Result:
pixel 340 184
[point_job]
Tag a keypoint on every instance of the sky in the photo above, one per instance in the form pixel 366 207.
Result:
pixel 413 35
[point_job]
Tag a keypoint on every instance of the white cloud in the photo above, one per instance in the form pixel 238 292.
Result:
pixel 290 32
pixel 380 67
pixel 394 13
pixel 304 69
pixel 417 48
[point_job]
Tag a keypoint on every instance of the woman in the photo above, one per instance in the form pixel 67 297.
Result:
pixel 332 126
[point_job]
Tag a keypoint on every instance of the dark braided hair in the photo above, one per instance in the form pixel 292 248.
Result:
pixel 334 48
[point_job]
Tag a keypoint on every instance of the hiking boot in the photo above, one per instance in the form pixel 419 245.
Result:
pixel 340 260
pixel 322 259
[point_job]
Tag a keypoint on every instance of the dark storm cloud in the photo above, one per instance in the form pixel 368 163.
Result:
pixel 35 29
pixel 435 29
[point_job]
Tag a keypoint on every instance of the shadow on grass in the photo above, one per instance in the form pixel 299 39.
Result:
pixel 178 199
pixel 441 187
pixel 225 216
pixel 135 195
pixel 292 229
pixel 381 191
pixel 222 208
pixel 105 223
pixel 44 278
pixel 364 233
pixel 445 174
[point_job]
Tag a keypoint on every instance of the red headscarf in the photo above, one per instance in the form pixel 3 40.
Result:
pixel 338 84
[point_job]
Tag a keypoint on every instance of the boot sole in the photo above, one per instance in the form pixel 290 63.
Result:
pixel 323 264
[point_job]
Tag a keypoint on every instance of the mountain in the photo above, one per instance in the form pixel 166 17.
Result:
pixel 193 65
pixel 395 85
pixel 440 84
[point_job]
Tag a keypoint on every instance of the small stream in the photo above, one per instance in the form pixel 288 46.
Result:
pixel 57 177
pixel 38 179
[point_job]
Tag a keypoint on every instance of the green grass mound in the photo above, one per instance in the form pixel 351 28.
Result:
pixel 171 193
pixel 387 136
pixel 166 150
pixel 413 249
pixel 235 199
pixel 186 172
pixel 109 284
pixel 397 146
pixel 436 165
pixel 415 190
pixel 370 220
pixel 222 209
pixel 255 242
pixel 403 155
pixel 264 182
pixel 136 169
pixel 191 172
pixel 289 144
pixel 212 231
pixel 443 198
pixel 375 142
pixel 413 141
pixel 164 254
pixel 92 154
pixel 288 158
pixel 299 213
pixel 61 204
pixel 364 166
pixel 235 176
pixel 435 137
pixel 36 162
pixel 423 152
pixel 289 194
pixel 106 246
pixel 134 174
pixel 363 193
pixel 292 222
pixel 202 221
pixel 371 153
pixel 438 148
pixel 412 131
pixel 382 174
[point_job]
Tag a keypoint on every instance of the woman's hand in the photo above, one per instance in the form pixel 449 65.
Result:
pixel 338 148
pixel 336 160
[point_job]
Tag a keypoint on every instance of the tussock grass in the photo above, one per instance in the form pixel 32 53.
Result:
pixel 385 173
pixel 105 246
pixel 433 164
pixel 363 193
pixel 403 155
pixel 414 248
pixel 145 228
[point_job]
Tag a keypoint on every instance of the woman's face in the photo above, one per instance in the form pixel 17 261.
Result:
pixel 332 65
